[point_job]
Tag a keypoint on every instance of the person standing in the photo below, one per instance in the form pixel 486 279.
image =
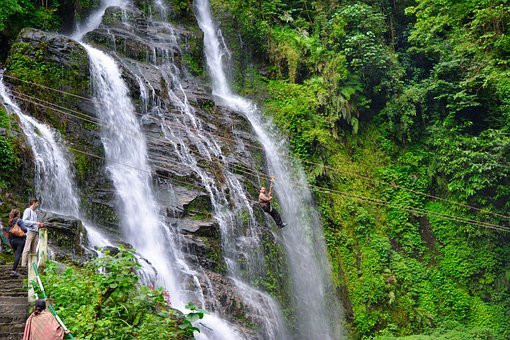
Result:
pixel 17 241
pixel 32 223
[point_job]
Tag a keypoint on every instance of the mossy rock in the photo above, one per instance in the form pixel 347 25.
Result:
pixel 43 68
pixel 16 166
pixel 199 208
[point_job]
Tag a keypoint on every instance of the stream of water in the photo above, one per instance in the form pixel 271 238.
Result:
pixel 54 180
pixel 127 164
pixel 318 309
pixel 238 244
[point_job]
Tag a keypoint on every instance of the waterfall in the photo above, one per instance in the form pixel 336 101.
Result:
pixel 319 314
pixel 94 20
pixel 54 182
pixel 127 164
pixel 236 245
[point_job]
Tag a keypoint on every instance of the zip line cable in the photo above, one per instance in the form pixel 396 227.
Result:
pixel 424 211
pixel 359 197
pixel 183 127
pixel 316 188
pixel 343 193
pixel 290 158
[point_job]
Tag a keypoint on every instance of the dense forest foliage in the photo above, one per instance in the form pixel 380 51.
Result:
pixel 50 15
pixel 388 105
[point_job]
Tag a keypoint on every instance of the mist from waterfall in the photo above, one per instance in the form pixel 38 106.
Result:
pixel 319 314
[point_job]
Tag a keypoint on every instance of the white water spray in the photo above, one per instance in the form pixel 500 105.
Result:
pixel 318 310
pixel 94 20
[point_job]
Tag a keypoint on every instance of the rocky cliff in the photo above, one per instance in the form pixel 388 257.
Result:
pixel 49 76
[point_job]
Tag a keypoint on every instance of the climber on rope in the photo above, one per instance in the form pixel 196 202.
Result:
pixel 265 204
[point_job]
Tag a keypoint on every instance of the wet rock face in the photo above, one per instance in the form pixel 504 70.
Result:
pixel 64 101
pixel 66 236
pixel 154 59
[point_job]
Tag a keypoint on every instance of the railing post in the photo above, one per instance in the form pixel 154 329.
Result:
pixel 36 261
pixel 32 258
pixel 43 247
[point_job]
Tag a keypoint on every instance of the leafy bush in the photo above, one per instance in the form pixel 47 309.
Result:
pixel 104 300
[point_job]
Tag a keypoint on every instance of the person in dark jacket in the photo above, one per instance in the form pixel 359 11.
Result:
pixel 17 243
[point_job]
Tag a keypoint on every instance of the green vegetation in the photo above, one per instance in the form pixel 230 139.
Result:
pixel 29 64
pixel 14 162
pixel 103 299
pixel 27 13
pixel 386 103
pixel 49 15
pixel 385 100
pixel 8 157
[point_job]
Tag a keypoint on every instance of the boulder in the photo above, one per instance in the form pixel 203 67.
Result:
pixel 66 236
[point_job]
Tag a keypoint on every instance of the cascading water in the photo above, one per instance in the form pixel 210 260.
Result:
pixel 94 20
pixel 236 245
pixel 53 182
pixel 319 313
pixel 54 179
pixel 127 164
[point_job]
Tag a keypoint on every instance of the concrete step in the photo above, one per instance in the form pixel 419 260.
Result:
pixel 11 279
pixel 11 336
pixel 9 267
pixel 8 291
pixel 8 284
pixel 13 318
pixel 7 275
pixel 14 291
pixel 12 327
pixel 17 309
pixel 12 300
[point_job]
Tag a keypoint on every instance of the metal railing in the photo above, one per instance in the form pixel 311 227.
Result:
pixel 38 261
